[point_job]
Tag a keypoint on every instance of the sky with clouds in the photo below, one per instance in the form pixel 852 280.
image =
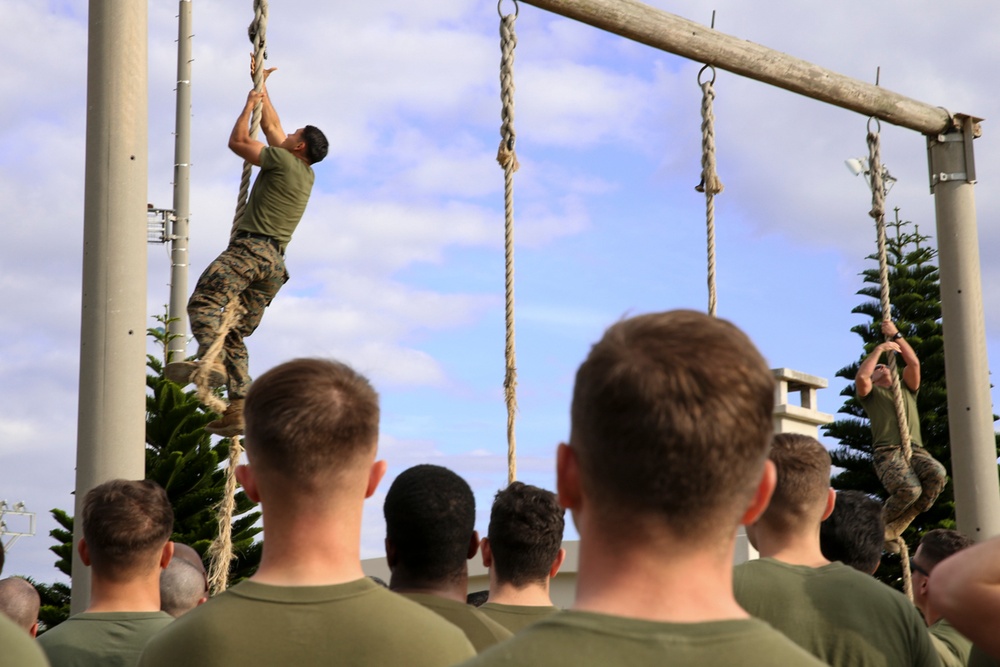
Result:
pixel 397 266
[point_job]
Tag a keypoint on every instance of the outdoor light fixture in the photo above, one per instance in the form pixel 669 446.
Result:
pixel 859 166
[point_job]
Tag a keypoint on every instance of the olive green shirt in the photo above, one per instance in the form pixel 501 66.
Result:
pixel 17 647
pixel 102 639
pixel 880 406
pixel 481 630
pixel 952 647
pixel 516 617
pixel 358 623
pixel 843 617
pixel 279 196
pixel 584 639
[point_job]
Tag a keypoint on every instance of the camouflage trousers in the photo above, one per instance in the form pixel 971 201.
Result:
pixel 912 487
pixel 248 272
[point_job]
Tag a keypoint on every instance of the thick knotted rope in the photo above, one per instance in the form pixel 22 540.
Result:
pixel 222 548
pixel 710 183
pixel 878 212
pixel 507 158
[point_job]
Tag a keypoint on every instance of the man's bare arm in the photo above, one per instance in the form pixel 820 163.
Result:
pixel 240 141
pixel 863 378
pixel 911 374
pixel 270 124
pixel 966 589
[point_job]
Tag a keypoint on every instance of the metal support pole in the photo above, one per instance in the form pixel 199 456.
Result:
pixel 656 28
pixel 970 409
pixel 112 404
pixel 177 312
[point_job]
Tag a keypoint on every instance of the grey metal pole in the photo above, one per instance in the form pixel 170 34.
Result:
pixel 177 312
pixel 970 409
pixel 656 28
pixel 111 423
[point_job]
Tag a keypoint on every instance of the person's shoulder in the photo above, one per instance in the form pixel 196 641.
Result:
pixel 17 648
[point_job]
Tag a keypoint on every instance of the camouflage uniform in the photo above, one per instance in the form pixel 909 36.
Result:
pixel 249 272
pixel 912 487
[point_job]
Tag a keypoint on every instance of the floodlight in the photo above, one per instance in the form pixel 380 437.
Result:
pixel 857 166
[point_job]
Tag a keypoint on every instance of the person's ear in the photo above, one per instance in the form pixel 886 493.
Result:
pixel 831 502
pixel 487 552
pixel 246 478
pixel 166 555
pixel 390 554
pixel 84 552
pixel 375 476
pixel 557 563
pixel 473 545
pixel 567 477
pixel 762 495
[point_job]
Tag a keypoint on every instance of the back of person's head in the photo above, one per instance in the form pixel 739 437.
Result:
pixel 854 532
pixel 20 602
pixel 126 524
pixel 940 543
pixel 671 421
pixel 525 533
pixel 430 517
pixel 308 419
pixel 800 496
pixel 316 144
pixel 182 587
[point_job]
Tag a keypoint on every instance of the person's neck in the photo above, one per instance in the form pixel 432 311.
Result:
pixel 532 595
pixel 450 589
pixel 662 579
pixel 310 546
pixel 931 615
pixel 794 548
pixel 140 593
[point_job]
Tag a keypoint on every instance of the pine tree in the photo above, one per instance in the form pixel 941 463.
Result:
pixel 915 292
pixel 181 458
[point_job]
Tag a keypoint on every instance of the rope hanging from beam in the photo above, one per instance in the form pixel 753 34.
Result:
pixel 221 549
pixel 507 158
pixel 710 183
pixel 878 213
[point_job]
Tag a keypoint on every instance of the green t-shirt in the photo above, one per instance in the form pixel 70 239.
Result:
pixel 358 623
pixel 102 639
pixel 880 406
pixel 17 647
pixel 583 639
pixel 279 195
pixel 516 617
pixel 838 614
pixel 952 647
pixel 481 630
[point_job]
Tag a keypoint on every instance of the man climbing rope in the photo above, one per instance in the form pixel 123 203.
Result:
pixel 912 485
pixel 251 270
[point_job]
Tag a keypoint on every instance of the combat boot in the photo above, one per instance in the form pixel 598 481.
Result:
pixel 231 422
pixel 183 372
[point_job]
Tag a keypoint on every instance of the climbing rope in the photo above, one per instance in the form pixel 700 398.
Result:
pixel 878 212
pixel 904 559
pixel 221 549
pixel 710 183
pixel 508 160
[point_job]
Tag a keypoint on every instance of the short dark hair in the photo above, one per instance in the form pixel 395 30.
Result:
pixel 671 421
pixel 126 524
pixel 526 530
pixel 316 144
pixel 430 515
pixel 940 543
pixel 854 533
pixel 803 486
pixel 306 418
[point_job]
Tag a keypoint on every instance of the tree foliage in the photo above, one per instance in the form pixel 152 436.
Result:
pixel 915 291
pixel 181 457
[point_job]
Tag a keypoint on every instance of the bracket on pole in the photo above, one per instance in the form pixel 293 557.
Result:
pixel 968 130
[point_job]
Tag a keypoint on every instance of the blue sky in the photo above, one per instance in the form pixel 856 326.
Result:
pixel 397 266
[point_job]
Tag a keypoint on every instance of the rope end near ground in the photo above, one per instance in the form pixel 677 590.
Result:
pixel 221 550
pixel 904 559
